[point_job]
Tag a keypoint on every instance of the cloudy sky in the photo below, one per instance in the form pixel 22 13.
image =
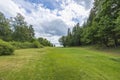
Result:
pixel 50 18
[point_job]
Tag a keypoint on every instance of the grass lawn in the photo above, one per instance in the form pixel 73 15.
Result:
pixel 60 64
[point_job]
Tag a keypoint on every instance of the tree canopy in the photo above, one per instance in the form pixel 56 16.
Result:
pixel 17 29
pixel 102 27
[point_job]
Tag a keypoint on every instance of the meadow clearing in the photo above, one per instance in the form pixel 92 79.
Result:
pixel 60 64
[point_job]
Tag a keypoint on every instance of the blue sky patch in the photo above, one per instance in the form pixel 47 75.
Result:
pixel 50 4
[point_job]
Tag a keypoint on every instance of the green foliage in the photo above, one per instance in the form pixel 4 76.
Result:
pixel 62 41
pixel 44 42
pixel 21 31
pixel 6 48
pixel 102 27
pixel 25 45
pixel 21 45
pixel 73 38
pixel 15 29
pixel 36 44
pixel 5 31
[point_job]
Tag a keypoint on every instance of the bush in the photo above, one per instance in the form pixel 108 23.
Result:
pixel 25 45
pixel 6 48
pixel 21 45
pixel 36 44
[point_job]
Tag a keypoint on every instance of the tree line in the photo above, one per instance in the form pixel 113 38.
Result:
pixel 17 29
pixel 101 28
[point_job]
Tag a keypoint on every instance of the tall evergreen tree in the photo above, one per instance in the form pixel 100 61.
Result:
pixel 102 27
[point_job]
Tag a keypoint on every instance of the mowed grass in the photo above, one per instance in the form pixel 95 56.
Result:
pixel 60 64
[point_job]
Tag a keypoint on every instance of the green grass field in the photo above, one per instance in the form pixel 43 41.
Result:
pixel 60 64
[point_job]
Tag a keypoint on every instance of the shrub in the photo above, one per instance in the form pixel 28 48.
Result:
pixel 21 45
pixel 6 48
pixel 25 45
pixel 36 44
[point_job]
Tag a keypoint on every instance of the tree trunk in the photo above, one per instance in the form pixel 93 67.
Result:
pixel 105 41
pixel 116 42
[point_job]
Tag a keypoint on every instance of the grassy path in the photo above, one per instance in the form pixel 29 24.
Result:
pixel 59 64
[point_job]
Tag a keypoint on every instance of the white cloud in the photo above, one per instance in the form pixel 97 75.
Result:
pixel 47 23
pixel 73 10
pixel 9 8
